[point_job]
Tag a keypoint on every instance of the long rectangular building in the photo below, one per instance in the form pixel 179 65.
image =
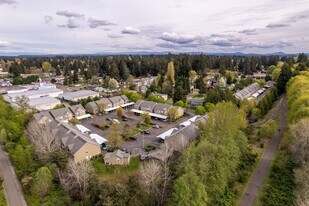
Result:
pixel 33 94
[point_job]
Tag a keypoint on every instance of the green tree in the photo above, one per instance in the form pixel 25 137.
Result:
pixel 46 67
pixel 113 83
pixel 146 117
pixel 126 131
pixel 114 136
pixel 284 76
pixel 189 191
pixel 42 183
pixel 172 113
pixel 200 110
pixel 120 112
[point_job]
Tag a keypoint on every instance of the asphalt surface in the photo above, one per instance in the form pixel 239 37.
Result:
pixel 12 188
pixel 260 172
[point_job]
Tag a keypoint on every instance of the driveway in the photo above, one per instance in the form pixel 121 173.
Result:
pixel 12 188
pixel 260 172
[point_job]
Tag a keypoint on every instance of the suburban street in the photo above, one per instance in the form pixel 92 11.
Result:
pixel 260 172
pixel 14 193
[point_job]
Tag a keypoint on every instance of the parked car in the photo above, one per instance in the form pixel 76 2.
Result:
pixel 146 132
pixel 133 138
pixel 164 120
pixel 155 126
pixel 116 120
pixel 124 119
pixel 126 150
pixel 109 119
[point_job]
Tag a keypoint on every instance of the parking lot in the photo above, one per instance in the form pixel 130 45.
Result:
pixel 143 140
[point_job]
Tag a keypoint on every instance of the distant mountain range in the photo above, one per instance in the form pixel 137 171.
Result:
pixel 28 54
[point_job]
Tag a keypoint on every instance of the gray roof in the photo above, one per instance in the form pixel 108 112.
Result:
pixel 70 137
pixel 148 104
pixel 115 99
pixel 139 102
pixel 74 108
pixel 92 104
pixel 39 116
pixel 79 93
pixel 103 101
pixel 117 153
pixel 125 98
pixel 196 101
pixel 43 100
pixel 59 112
pixel 161 106
pixel 248 91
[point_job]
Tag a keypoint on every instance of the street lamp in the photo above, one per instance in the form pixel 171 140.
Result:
pixel 143 138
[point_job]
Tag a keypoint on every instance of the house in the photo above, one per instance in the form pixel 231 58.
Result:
pixel 44 103
pixel 143 89
pixel 117 158
pixel 80 145
pixel 163 96
pixel 63 114
pixel 43 118
pixel 92 107
pixel 125 99
pixel 79 95
pixel 117 101
pixel 161 108
pixel 148 106
pixel 194 102
pixel 138 104
pixel 79 112
pixel 104 104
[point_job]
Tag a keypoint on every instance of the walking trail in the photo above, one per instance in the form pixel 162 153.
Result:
pixel 260 172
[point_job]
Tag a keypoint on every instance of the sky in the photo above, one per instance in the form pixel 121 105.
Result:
pixel 94 26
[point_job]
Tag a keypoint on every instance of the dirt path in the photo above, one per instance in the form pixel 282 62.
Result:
pixel 260 172
pixel 12 188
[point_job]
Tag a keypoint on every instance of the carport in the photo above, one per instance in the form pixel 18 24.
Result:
pixel 159 116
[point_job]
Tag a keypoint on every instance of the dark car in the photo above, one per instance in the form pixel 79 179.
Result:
pixel 133 138
pixel 146 132
pixel 124 119
pixel 109 119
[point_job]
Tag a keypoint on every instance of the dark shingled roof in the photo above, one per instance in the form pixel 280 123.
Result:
pixel 59 112
pixel 74 108
pixel 70 137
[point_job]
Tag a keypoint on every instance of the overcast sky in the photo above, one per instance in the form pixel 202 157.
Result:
pixel 90 26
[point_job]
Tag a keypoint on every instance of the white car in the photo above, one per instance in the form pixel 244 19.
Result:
pixel 116 120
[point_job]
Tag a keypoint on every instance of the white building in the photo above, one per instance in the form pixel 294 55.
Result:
pixel 44 103
pixel 33 94
pixel 78 95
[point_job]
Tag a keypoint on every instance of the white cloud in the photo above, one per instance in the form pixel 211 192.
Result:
pixel 95 22
pixel 8 2
pixel 69 14
pixel 170 25
pixel 130 30
pixel 4 44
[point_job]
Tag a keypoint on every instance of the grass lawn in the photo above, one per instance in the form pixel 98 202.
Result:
pixel 115 173
pixel 145 127
pixel 199 96
pixel 2 197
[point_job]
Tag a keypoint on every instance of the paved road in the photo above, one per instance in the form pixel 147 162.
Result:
pixel 12 188
pixel 260 172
